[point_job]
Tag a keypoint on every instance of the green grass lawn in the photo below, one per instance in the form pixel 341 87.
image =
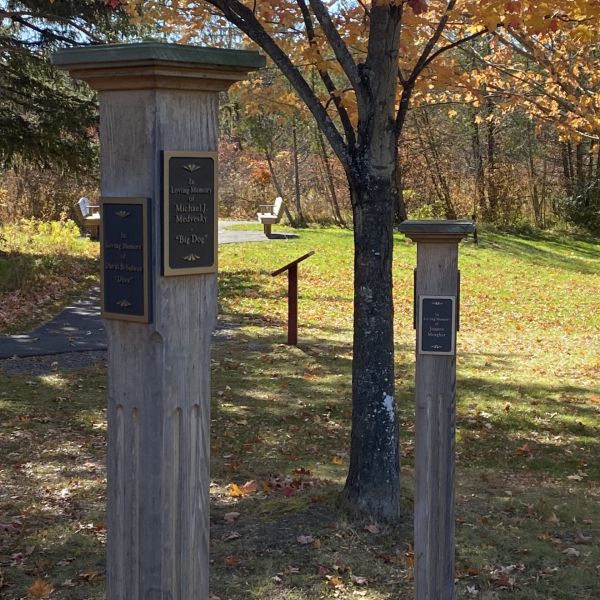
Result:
pixel 528 445
pixel 43 265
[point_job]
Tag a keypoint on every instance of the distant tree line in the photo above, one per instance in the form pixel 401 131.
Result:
pixel 472 146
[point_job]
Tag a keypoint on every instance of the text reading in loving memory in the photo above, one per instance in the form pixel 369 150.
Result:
pixel 437 325
pixel 124 260
pixel 191 212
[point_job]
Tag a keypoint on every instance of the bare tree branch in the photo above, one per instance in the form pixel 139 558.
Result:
pixel 433 40
pixel 338 46
pixel 454 45
pixel 326 78
pixel 243 17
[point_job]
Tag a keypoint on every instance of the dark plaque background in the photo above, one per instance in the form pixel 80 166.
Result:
pixel 437 320
pixel 124 261
pixel 191 212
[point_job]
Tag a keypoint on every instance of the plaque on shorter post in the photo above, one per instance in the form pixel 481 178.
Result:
pixel 437 325
pixel 189 213
pixel 125 259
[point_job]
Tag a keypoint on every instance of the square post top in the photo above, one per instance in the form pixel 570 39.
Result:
pixel 157 65
pixel 437 231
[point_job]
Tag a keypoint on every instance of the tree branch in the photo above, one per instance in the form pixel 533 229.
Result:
pixel 338 46
pixel 326 78
pixel 243 17
pixel 433 40
pixel 454 45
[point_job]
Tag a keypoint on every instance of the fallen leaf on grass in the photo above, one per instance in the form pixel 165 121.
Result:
pixel 583 539
pixel 503 582
pixel 335 581
pixel 373 528
pixel 359 580
pixel 232 561
pixel 571 553
pixel 525 449
pixel 233 535
pixel 230 517
pixel 248 488
pixel 305 539
pixel 40 589
pixel 337 460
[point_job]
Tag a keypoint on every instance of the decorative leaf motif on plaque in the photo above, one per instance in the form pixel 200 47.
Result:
pixel 191 257
pixel 436 347
pixel 124 303
pixel 191 167
pixel 437 303
pixel 122 214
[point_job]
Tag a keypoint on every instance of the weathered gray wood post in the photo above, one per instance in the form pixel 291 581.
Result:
pixel 437 289
pixel 158 105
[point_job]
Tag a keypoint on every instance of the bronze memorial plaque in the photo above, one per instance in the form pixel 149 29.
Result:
pixel 437 325
pixel 189 213
pixel 125 259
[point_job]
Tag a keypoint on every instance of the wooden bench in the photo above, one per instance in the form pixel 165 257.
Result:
pixel 91 217
pixel 270 214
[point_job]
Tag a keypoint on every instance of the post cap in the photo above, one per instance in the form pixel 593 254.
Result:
pixel 436 231
pixel 157 65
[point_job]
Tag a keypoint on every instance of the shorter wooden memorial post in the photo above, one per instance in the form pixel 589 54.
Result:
pixel 158 141
pixel 436 319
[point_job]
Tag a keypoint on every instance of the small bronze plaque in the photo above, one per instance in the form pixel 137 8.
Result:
pixel 437 325
pixel 189 213
pixel 125 259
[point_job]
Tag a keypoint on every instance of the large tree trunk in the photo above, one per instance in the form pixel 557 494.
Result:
pixel 400 212
pixel 373 483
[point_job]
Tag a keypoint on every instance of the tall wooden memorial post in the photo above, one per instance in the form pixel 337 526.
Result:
pixel 437 289
pixel 158 142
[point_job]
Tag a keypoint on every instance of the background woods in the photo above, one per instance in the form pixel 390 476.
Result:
pixel 504 128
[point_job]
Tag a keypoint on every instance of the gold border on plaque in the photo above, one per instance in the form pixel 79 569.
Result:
pixel 138 201
pixel 168 271
pixel 420 324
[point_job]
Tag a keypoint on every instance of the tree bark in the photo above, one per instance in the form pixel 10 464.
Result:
pixel 480 202
pixel 434 166
pixel 491 163
pixel 400 212
pixel 278 188
pixel 373 483
pixel 301 219
pixel 337 214
pixel 533 178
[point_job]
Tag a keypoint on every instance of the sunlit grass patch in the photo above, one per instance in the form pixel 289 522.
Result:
pixel 43 265
pixel 528 449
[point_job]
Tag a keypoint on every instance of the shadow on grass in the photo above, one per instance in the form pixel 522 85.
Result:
pixel 284 412
pixel 553 253
pixel 20 271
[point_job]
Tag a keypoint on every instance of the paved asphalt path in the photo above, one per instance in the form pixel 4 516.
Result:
pixel 78 327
